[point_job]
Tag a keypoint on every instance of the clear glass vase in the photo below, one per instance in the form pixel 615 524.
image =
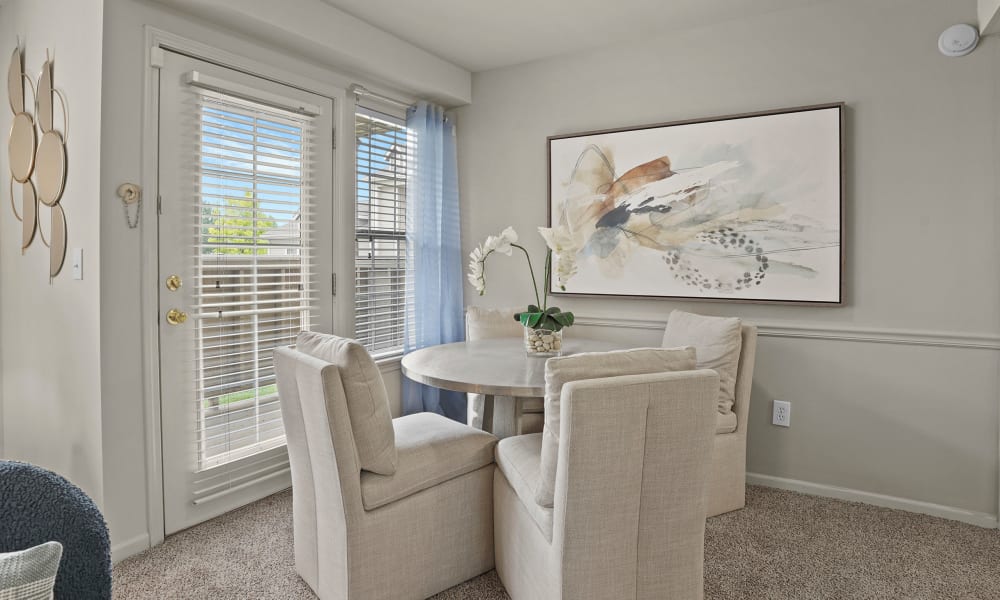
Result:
pixel 543 342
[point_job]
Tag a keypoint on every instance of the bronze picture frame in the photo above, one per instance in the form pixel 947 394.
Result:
pixel 696 209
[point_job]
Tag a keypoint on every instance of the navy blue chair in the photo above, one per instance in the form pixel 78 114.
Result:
pixel 38 506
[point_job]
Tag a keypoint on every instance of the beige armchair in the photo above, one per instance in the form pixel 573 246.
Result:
pixel 511 416
pixel 627 518
pixel 382 508
pixel 728 346
pixel 727 480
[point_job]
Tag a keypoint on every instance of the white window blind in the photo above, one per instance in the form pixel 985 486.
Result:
pixel 380 231
pixel 254 279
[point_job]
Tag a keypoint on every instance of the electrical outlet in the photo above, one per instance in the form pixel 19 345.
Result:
pixel 781 413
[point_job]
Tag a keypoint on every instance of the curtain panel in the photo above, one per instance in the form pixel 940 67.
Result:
pixel 433 253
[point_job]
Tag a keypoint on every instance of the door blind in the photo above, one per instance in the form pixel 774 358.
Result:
pixel 254 285
pixel 380 231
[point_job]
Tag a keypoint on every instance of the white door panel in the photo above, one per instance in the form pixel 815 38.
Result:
pixel 246 227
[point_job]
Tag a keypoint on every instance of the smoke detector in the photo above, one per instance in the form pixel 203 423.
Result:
pixel 958 40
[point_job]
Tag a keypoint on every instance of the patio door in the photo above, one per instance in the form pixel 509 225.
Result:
pixel 245 256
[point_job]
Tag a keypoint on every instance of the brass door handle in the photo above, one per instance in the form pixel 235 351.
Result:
pixel 173 283
pixel 176 317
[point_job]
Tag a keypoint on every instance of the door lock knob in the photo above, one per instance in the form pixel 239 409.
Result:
pixel 176 317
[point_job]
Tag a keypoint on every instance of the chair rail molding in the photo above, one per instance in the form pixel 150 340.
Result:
pixel 872 335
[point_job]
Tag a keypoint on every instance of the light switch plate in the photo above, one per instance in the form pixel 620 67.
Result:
pixel 76 261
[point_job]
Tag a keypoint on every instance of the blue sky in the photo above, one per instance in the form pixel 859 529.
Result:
pixel 228 145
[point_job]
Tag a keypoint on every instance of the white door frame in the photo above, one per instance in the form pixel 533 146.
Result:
pixel 156 41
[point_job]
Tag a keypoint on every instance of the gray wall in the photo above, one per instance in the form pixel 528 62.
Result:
pixel 50 330
pixel 894 394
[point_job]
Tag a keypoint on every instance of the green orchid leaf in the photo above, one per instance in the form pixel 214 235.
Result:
pixel 551 319
pixel 533 308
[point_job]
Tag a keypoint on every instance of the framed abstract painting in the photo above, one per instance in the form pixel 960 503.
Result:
pixel 743 208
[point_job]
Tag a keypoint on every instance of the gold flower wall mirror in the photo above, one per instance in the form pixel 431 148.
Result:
pixel 38 164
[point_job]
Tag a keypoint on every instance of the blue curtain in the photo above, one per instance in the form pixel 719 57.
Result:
pixel 434 252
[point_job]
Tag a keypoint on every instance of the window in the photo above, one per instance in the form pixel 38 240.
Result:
pixel 252 268
pixel 380 231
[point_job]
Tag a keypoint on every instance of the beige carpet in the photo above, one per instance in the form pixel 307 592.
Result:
pixel 782 546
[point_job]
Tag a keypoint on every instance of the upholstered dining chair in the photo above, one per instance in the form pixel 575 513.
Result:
pixel 525 415
pixel 381 508
pixel 727 479
pixel 729 346
pixel 608 502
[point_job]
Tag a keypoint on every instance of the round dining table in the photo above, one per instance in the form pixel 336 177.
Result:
pixel 497 367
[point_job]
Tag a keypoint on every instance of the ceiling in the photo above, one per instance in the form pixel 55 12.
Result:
pixel 480 35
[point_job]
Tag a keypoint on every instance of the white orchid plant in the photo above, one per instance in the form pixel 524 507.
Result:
pixel 539 315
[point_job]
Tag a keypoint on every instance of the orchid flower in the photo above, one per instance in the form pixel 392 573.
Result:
pixel 540 315
pixel 504 244
pixel 564 250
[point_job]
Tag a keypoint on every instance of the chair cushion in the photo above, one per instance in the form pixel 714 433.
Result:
pixel 30 574
pixel 725 423
pixel 594 365
pixel 432 449
pixel 367 400
pixel 717 340
pixel 519 458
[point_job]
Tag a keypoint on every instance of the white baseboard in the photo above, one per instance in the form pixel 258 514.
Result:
pixel 131 547
pixel 830 491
